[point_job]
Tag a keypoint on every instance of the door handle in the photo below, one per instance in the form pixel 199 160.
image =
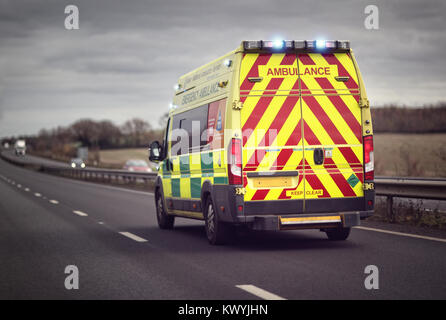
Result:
pixel 318 156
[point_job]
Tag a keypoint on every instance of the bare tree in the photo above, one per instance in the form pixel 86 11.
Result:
pixel 136 129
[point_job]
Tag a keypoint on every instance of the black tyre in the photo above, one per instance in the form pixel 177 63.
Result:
pixel 165 221
pixel 217 231
pixel 337 234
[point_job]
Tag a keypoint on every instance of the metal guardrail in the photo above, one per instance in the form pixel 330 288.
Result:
pixel 96 174
pixel 420 188
pixel 390 187
pixel 402 187
pixel 102 175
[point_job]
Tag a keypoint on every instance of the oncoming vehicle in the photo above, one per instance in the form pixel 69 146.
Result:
pixel 20 148
pixel 77 163
pixel 137 165
pixel 275 135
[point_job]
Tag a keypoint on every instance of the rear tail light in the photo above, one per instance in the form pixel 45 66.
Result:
pixel 235 161
pixel 369 169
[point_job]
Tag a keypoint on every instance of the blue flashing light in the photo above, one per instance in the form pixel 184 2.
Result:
pixel 320 44
pixel 278 44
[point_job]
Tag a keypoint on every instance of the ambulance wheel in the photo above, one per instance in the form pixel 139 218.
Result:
pixel 338 233
pixel 165 221
pixel 217 231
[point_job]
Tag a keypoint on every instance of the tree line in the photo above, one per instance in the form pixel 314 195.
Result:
pixel 96 135
pixel 395 119
pixel 138 133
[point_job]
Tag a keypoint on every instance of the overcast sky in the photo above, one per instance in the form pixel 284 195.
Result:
pixel 127 55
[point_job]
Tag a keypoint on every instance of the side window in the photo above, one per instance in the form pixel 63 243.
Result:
pixel 166 138
pixel 178 136
pixel 189 131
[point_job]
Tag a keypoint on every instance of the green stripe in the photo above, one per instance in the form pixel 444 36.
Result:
pixel 184 164
pixel 221 180
pixel 176 188
pixel 195 187
pixel 207 162
pixel 166 173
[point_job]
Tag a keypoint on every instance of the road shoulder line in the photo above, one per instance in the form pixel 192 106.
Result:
pixel 401 234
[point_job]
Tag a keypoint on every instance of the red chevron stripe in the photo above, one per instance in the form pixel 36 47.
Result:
pixel 296 135
pixel 339 179
pixel 309 135
pixel 285 154
pixel 323 118
pixel 331 59
pixel 288 59
pixel 260 194
pixel 276 125
pixel 314 181
pixel 342 108
pixel 259 110
pixel 305 59
pixel 281 159
pixel 350 156
pixel 283 193
pixel 262 59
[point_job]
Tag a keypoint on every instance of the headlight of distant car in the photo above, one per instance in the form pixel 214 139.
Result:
pixel 83 165
pixel 149 170
pixel 131 169
pixel 73 165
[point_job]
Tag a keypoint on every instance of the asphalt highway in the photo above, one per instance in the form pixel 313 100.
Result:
pixel 111 235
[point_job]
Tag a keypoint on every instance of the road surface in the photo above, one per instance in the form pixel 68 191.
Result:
pixel 111 235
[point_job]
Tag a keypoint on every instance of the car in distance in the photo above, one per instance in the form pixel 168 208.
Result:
pixel 137 165
pixel 77 163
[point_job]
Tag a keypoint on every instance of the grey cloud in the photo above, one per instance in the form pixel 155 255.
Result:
pixel 127 55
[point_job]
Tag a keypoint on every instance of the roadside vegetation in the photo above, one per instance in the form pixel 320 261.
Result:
pixel 410 212
pixel 409 141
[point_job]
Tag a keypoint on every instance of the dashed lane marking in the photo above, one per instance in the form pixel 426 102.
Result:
pixel 133 236
pixel 259 292
pixel 80 213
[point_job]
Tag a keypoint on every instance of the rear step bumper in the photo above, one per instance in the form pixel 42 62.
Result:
pixel 307 221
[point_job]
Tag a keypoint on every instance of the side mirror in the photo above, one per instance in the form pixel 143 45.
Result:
pixel 155 152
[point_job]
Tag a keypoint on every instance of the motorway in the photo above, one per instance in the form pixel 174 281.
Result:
pixel 111 235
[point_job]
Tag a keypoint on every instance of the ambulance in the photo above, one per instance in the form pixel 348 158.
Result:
pixel 275 135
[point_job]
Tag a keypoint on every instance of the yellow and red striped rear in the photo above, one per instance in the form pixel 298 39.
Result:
pixel 293 105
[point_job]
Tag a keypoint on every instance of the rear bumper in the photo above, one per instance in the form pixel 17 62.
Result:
pixel 305 221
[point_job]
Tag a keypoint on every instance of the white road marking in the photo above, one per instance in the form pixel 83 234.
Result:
pixel 133 236
pixel 19 186
pixel 80 213
pixel 54 201
pixel 259 292
pixel 100 222
pixel 37 194
pixel 26 189
pixel 402 234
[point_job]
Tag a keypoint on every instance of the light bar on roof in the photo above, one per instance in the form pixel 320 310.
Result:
pixel 343 44
pixel 252 45
pixel 287 45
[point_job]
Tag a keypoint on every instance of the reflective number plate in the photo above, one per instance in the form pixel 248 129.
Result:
pixel 273 182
